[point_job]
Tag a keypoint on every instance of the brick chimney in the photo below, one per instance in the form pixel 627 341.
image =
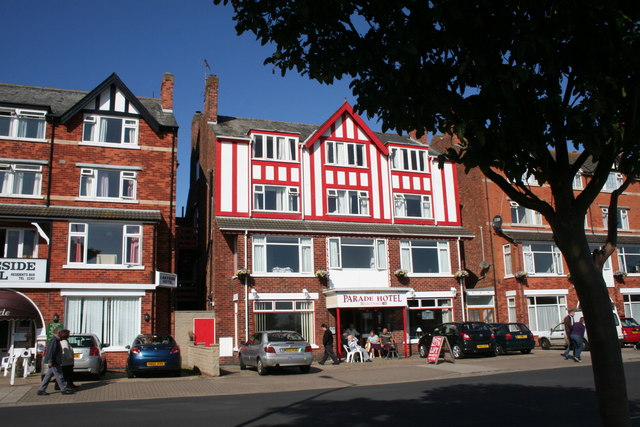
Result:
pixel 166 91
pixel 423 139
pixel 211 99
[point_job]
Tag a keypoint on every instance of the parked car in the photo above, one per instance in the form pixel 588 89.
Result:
pixel 153 353
pixel 513 337
pixel 464 338
pixel 273 349
pixel 555 338
pixel 630 330
pixel 88 354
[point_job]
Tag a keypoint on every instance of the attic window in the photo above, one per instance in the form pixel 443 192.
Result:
pixel 409 159
pixel 110 130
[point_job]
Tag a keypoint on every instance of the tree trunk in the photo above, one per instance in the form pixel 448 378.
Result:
pixel 606 358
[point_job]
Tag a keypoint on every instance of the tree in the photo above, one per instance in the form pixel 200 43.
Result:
pixel 518 85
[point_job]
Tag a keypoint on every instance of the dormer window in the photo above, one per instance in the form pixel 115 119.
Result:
pixel 110 130
pixel 409 159
pixel 345 154
pixel 273 147
pixel 22 124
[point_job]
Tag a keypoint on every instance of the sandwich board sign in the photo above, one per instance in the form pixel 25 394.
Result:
pixel 439 345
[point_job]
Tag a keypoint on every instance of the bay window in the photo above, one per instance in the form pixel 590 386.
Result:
pixel 18 243
pixel 275 198
pixel 412 206
pixel 348 202
pixel 425 257
pixel 345 153
pixel 104 243
pixel 273 147
pixel 20 179
pixel 629 258
pixel 108 184
pixel 110 130
pixel 542 258
pixel 277 254
pixel 347 252
pixel 23 124
pixel 622 218
pixel 547 311
pixel 632 305
pixel 613 182
pixel 115 320
pixel 285 315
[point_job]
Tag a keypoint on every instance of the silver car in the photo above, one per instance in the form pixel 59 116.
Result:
pixel 88 354
pixel 272 349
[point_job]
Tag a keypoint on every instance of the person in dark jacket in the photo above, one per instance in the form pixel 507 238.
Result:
pixel 577 339
pixel 53 361
pixel 568 325
pixel 327 341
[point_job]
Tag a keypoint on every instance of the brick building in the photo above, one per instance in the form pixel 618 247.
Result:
pixel 289 202
pixel 512 240
pixel 86 213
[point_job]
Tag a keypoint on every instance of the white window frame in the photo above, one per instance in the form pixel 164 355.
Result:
pixel 96 122
pixel 260 247
pixel 125 254
pixel 401 156
pixel 511 309
pixel 631 305
pixel 345 195
pixel 613 182
pixel 264 140
pixel 577 182
pixel 11 171
pixel 21 241
pixel 622 218
pixel 379 247
pixel 622 260
pixel 289 194
pixel 15 115
pixel 90 175
pixel 561 306
pixel 529 259
pixel 441 249
pixel 400 205
pixel 528 217
pixel 337 153
pixel 295 308
pixel 508 260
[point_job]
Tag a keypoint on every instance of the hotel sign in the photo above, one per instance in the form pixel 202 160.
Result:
pixel 23 270
pixel 372 299
pixel 166 280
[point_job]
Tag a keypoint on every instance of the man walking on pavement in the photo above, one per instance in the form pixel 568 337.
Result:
pixel 568 325
pixel 327 341
pixel 53 361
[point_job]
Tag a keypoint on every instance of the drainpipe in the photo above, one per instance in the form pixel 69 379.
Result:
pixel 246 291
pixel 53 137
pixel 210 239
pixel 461 280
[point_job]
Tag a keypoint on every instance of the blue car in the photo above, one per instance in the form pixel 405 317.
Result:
pixel 153 353
pixel 513 337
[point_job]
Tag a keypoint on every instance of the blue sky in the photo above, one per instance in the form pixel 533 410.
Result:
pixel 76 44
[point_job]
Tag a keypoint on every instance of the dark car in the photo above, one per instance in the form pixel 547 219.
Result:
pixel 464 338
pixel 513 337
pixel 630 330
pixel 153 353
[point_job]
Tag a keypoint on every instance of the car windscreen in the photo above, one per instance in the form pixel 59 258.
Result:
pixel 153 340
pixel 81 341
pixel 629 323
pixel 284 336
pixel 475 327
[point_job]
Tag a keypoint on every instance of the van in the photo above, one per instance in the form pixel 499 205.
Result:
pixel 616 319
pixel 555 336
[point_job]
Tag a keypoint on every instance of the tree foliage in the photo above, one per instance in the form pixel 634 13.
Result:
pixel 519 86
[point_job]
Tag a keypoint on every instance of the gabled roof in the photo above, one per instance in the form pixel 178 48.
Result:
pixel 60 101
pixel 346 108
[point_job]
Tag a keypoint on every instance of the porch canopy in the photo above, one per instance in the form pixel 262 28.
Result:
pixel 14 306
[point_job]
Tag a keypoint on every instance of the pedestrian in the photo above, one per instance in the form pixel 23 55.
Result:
pixel 67 359
pixel 577 339
pixel 568 325
pixel 327 341
pixel 53 362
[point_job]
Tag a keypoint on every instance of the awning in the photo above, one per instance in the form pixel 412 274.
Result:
pixel 14 306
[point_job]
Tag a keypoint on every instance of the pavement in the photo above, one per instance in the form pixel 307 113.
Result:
pixel 115 386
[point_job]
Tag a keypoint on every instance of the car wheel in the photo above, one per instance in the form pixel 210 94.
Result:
pixel 130 374
pixel 422 349
pixel 260 368
pixel 499 350
pixel 545 344
pixel 587 347
pixel 242 365
pixel 305 369
pixel 456 351
pixel 525 351
pixel 177 373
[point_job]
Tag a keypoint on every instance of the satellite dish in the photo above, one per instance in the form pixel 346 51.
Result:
pixel 497 222
pixel 484 265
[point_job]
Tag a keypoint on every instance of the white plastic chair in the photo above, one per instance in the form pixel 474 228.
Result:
pixel 351 354
pixel 8 361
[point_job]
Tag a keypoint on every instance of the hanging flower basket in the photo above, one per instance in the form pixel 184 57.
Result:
pixel 401 272
pixel 322 274
pixel 521 275
pixel 619 274
pixel 243 274
pixel 461 274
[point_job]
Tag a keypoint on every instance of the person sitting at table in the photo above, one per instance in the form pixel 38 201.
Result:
pixel 388 342
pixel 374 344
pixel 351 330
pixel 354 346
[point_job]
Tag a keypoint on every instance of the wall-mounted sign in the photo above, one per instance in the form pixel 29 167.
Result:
pixel 372 299
pixel 23 270
pixel 167 280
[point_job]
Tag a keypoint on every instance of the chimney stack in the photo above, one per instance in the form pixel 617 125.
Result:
pixel 166 92
pixel 211 99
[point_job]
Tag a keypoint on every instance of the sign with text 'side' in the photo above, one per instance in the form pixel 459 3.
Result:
pixel 23 270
